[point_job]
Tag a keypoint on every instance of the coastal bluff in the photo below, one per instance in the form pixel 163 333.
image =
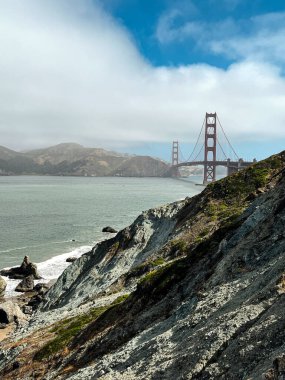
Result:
pixel 191 290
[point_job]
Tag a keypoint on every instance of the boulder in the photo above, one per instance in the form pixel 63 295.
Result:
pixel 35 301
pixel 26 285
pixel 71 259
pixel 41 288
pixel 109 229
pixel 3 285
pixel 28 310
pixel 279 366
pixel 27 268
pixel 10 312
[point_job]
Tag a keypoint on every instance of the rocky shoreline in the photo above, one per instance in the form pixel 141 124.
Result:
pixel 15 311
pixel 191 290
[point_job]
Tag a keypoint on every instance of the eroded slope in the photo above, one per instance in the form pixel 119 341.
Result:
pixel 203 293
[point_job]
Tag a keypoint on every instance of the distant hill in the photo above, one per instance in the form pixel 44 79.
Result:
pixel 76 160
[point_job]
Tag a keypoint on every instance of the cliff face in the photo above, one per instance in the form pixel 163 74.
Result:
pixel 191 290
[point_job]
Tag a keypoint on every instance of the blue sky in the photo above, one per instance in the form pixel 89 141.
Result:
pixel 179 32
pixel 133 75
pixel 159 27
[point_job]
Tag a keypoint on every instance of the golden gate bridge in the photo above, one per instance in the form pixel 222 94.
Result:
pixel 207 154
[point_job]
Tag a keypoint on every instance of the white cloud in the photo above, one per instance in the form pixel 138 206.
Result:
pixel 259 38
pixel 263 39
pixel 68 72
pixel 173 25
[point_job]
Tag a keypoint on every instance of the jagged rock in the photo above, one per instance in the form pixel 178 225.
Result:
pixel 204 301
pixel 109 229
pixel 16 365
pixel 279 367
pixel 35 301
pixel 26 285
pixel 3 285
pixel 27 268
pixel 71 259
pixel 28 310
pixel 41 288
pixel 3 325
pixel 10 312
pixel 278 370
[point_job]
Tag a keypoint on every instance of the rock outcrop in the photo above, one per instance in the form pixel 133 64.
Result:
pixel 26 285
pixel 3 285
pixel 71 259
pixel 11 312
pixel 26 269
pixel 109 229
pixel 191 290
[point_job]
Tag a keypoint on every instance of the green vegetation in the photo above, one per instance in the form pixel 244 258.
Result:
pixel 224 202
pixel 120 299
pixel 179 245
pixel 157 262
pixel 149 276
pixel 160 279
pixel 237 187
pixel 202 235
pixel 222 211
pixel 115 247
pixel 66 329
pixel 145 267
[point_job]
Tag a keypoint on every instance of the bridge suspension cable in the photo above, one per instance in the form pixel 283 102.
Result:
pixel 202 128
pixel 202 148
pixel 232 148
pixel 181 157
pixel 222 149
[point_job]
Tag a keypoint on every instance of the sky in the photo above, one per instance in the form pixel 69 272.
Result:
pixel 134 75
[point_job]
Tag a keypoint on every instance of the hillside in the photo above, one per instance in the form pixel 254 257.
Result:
pixel 191 290
pixel 76 160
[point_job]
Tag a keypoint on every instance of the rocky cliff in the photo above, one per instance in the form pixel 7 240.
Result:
pixel 191 290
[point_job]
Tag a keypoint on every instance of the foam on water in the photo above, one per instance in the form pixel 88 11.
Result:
pixel 50 269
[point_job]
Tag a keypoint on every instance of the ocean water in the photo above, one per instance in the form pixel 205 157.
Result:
pixel 41 216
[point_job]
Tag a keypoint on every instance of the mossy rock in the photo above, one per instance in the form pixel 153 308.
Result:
pixel 67 329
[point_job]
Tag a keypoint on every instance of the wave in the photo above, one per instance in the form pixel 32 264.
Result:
pixel 35 246
pixel 49 270
pixel 13 249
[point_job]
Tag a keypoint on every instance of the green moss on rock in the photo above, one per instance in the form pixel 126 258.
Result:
pixel 67 329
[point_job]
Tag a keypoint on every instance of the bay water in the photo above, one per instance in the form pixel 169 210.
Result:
pixel 52 218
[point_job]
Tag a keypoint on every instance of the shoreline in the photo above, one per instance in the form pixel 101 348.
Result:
pixel 49 270
pixel 21 299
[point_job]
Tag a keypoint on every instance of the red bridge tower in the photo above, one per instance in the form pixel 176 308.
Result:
pixel 210 148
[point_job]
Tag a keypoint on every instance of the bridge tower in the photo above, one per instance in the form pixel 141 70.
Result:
pixel 175 159
pixel 210 148
pixel 175 153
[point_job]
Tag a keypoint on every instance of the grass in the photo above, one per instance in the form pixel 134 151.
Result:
pixel 237 187
pixel 179 245
pixel 225 202
pixel 120 299
pixel 160 279
pixel 67 329
pixel 146 266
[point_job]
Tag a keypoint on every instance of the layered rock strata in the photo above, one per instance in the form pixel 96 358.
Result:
pixel 191 290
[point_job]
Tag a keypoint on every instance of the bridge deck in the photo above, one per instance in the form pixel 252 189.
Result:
pixel 234 164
